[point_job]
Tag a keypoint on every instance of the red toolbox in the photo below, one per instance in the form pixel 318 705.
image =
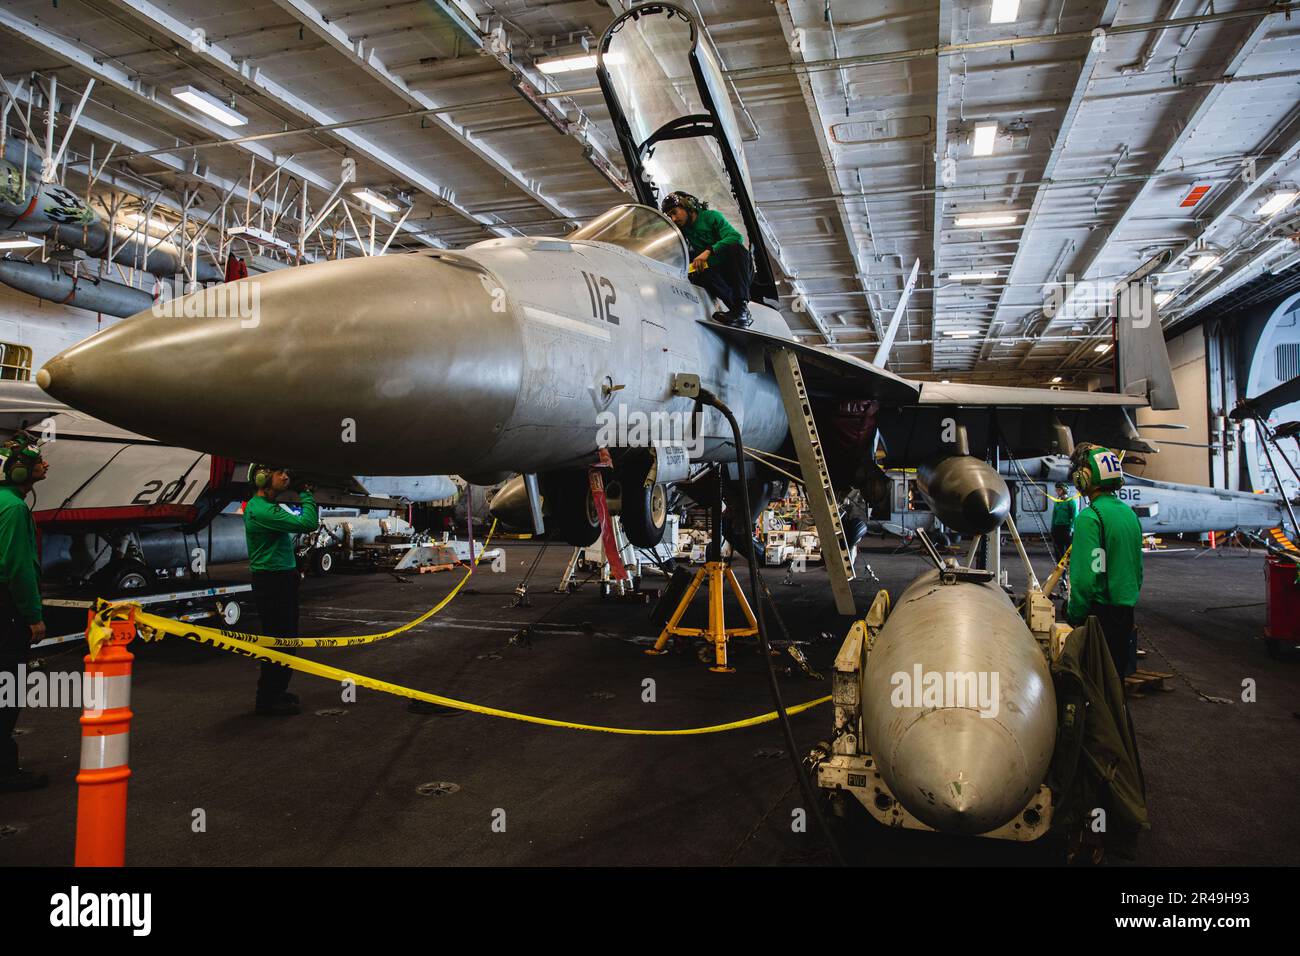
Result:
pixel 1282 623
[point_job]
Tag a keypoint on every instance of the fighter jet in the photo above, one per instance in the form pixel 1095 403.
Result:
pixel 1162 507
pixel 531 355
pixel 113 493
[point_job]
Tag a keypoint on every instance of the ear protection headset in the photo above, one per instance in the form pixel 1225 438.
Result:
pixel 259 475
pixel 21 455
pixel 680 200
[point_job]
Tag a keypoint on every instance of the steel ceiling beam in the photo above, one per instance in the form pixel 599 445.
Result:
pixel 1087 260
pixel 829 161
pixel 141 93
pixel 368 60
pixel 156 195
pixel 942 82
pixel 943 50
pixel 245 72
pixel 1082 86
pixel 1288 133
pixel 532 86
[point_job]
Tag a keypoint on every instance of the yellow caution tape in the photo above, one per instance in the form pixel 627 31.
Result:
pixel 1059 500
pixel 262 640
pixel 153 628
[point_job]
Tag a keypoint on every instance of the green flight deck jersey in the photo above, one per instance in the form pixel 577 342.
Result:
pixel 20 568
pixel 1118 578
pixel 1064 512
pixel 710 231
pixel 269 528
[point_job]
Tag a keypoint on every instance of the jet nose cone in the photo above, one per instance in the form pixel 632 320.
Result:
pixel 510 504
pixel 985 508
pixel 391 365
pixel 959 772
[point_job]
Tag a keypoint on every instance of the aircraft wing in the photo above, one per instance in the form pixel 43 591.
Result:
pixel 828 371
pixel 1027 420
pixel 1265 402
pixel 25 405
pixel 939 393
pixel 24 401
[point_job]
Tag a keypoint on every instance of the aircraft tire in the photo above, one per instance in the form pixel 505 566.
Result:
pixel 645 513
pixel 572 507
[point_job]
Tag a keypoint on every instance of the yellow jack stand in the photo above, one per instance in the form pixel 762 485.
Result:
pixel 717 574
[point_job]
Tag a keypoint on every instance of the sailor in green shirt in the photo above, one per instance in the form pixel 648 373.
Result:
pixel 269 530
pixel 21 620
pixel 1106 563
pixel 721 263
pixel 1063 512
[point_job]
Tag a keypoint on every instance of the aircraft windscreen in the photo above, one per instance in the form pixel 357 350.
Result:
pixel 639 229
pixel 648 64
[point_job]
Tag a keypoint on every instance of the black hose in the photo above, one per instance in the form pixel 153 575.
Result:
pixel 805 785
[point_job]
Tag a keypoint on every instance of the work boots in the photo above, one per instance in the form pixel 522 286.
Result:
pixel 739 318
pixel 286 705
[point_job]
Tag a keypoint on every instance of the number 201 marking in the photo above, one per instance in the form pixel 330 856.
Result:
pixel 170 493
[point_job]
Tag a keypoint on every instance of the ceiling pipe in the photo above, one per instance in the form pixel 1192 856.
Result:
pixel 1153 43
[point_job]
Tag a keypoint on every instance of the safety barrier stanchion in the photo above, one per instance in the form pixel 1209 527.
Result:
pixel 105 737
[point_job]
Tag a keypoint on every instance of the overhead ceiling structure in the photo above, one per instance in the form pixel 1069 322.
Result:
pixel 1027 154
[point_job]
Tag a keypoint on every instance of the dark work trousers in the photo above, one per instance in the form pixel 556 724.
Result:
pixel 1121 636
pixel 729 273
pixel 1061 538
pixel 276 595
pixel 15 649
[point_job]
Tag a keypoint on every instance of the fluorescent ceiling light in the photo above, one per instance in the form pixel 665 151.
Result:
pixel 962 333
pixel 371 198
pixel 572 64
pixel 1104 347
pixel 985 135
pixel 22 242
pixel 986 219
pixel 568 64
pixel 209 104
pixel 1163 297
pixel 1055 379
pixel 156 226
pixel 1277 202
pixel 1004 11
pixel 1203 262
pixel 971 276
pixel 128 234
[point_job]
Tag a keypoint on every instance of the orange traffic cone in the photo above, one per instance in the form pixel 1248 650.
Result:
pixel 105 739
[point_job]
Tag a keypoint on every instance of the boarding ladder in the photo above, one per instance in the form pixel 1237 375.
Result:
pixel 816 479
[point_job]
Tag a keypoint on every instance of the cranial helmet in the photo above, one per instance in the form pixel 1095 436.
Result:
pixel 680 200
pixel 1094 467
pixel 21 454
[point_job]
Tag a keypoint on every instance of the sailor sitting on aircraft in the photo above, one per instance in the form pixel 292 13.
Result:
pixel 722 264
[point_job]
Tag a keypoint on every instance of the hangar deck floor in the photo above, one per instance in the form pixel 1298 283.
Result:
pixel 330 788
